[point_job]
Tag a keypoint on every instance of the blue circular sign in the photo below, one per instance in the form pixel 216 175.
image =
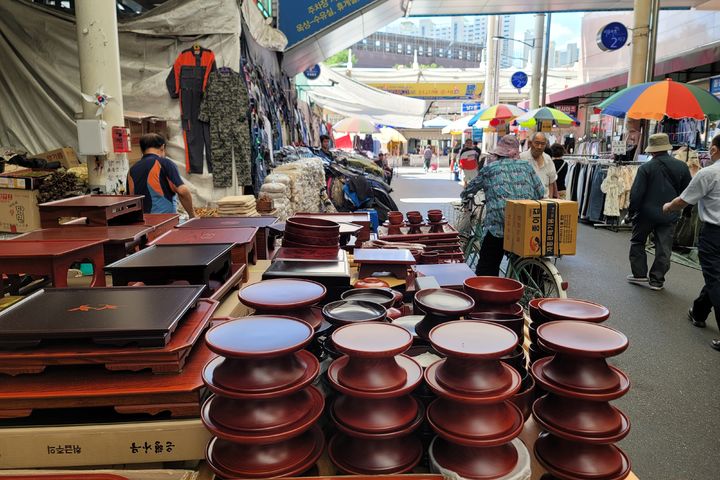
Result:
pixel 519 80
pixel 313 72
pixel 612 36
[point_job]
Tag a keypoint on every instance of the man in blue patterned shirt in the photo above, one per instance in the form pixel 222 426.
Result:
pixel 503 178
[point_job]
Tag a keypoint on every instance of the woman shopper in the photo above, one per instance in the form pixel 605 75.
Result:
pixel 503 178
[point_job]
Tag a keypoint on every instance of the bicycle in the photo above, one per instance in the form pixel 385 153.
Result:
pixel 539 274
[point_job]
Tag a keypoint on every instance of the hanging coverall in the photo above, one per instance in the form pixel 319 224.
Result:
pixel 225 106
pixel 188 79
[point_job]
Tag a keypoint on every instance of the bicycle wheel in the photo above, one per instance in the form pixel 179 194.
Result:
pixel 540 277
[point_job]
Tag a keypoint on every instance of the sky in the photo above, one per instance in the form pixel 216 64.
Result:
pixel 566 27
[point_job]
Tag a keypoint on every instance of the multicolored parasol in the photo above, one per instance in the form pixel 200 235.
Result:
pixel 545 114
pixel 499 112
pixel 355 125
pixel 656 100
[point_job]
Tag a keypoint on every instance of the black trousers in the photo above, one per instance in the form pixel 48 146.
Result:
pixel 709 251
pixel 491 255
pixel 663 250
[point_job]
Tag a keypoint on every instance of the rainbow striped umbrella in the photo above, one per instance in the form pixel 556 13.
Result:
pixel 545 114
pixel 655 100
pixel 501 111
pixel 355 125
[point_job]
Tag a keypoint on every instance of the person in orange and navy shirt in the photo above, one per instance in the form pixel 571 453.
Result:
pixel 158 179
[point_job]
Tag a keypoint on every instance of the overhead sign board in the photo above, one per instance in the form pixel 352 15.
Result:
pixel 612 36
pixel 477 134
pixel 568 108
pixel 313 72
pixel 434 91
pixel 300 19
pixel 715 86
pixel 471 107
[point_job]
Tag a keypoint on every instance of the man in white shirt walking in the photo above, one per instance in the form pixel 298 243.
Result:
pixel 704 190
pixel 542 163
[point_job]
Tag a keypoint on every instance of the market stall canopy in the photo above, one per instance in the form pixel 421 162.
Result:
pixel 345 96
pixel 437 122
pixel 458 126
pixel 355 125
pixel 656 100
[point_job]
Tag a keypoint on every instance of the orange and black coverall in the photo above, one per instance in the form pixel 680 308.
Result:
pixel 188 79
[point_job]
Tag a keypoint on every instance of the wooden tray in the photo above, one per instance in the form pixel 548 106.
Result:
pixel 448 236
pixel 169 359
pixel 143 315
pixel 127 392
pixel 448 276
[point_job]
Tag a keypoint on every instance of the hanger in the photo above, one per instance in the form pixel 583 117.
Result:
pixel 196 47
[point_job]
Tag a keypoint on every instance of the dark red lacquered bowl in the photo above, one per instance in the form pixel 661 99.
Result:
pixel 581 420
pixel 375 416
pixel 573 309
pixel 382 296
pixel 444 302
pixel 569 460
pixel 479 425
pixel 345 312
pixel 413 378
pixel 516 323
pixel 536 316
pixel 584 378
pixel 476 463
pixel 494 290
pixel 318 225
pixel 326 241
pixel 290 244
pixel 282 294
pixel 358 456
pixel 525 397
pixel 371 282
pixel 509 308
pixel 288 458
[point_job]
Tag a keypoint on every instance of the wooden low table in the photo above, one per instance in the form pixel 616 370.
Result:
pixel 373 260
pixel 242 239
pixel 127 392
pixel 160 223
pixel 118 240
pixel 97 209
pixel 52 259
pixel 449 275
pixel 264 241
pixel 161 265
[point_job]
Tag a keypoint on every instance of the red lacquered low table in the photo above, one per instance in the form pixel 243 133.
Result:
pixel 52 259
pixel 118 240
pixel 97 209
pixel 160 223
pixel 263 242
pixel 242 239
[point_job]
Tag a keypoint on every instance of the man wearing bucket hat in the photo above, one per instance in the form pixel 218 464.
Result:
pixel 504 177
pixel 657 182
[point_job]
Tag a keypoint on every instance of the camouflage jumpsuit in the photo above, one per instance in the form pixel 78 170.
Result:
pixel 225 106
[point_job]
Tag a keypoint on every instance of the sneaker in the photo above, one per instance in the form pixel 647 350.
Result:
pixel 694 321
pixel 655 287
pixel 633 279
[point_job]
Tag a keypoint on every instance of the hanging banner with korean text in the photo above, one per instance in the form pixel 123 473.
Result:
pixel 300 19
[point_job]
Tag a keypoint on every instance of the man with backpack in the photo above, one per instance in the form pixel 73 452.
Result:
pixel 657 182
pixel 427 157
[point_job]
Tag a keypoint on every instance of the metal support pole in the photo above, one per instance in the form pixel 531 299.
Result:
pixel 546 61
pixel 99 58
pixel 640 42
pixel 493 73
pixel 537 61
pixel 652 40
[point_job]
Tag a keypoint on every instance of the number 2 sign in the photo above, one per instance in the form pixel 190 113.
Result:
pixel 612 36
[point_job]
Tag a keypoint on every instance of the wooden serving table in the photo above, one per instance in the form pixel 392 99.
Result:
pixel 168 359
pixel 449 275
pixel 52 259
pixel 160 223
pixel 264 242
pixel 117 240
pixel 97 209
pixel 372 260
pixel 125 392
pixel 242 239
pixel 161 265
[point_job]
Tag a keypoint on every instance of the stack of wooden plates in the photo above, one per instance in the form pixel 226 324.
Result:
pixel 242 205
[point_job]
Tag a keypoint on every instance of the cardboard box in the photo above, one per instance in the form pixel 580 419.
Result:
pixel 541 228
pixel 19 210
pixel 141 123
pixel 66 156
pixel 103 444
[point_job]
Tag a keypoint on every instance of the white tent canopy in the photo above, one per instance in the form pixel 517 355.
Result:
pixel 437 122
pixel 345 96
pixel 458 126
